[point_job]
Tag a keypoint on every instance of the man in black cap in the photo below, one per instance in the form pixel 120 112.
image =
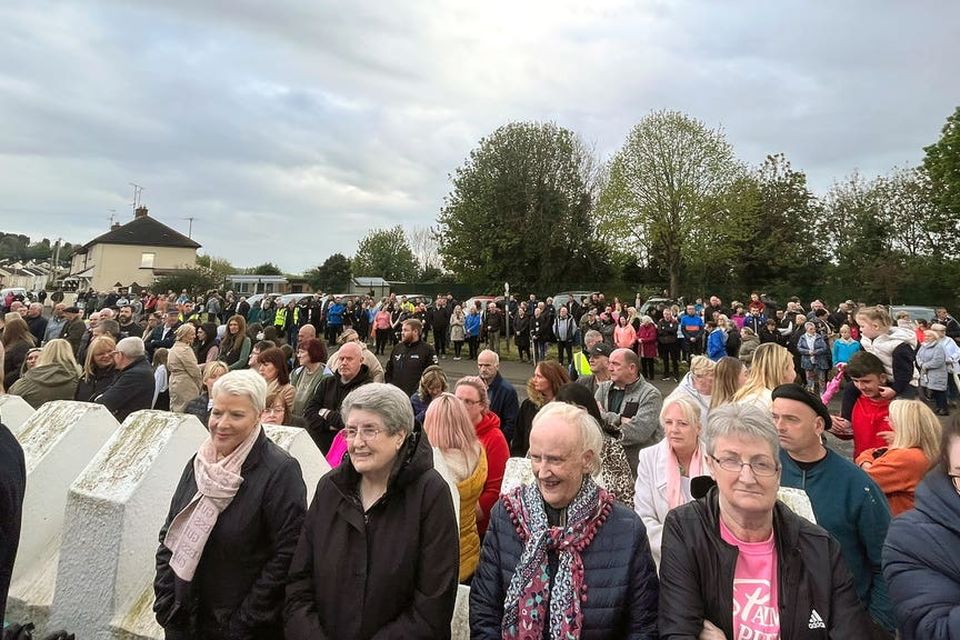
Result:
pixel 74 329
pixel 599 356
pixel 846 501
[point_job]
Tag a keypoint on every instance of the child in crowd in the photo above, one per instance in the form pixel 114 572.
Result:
pixel 868 424
pixel 814 357
pixel 161 392
pixel 844 347
pixel 932 362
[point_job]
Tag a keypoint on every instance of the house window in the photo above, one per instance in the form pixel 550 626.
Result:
pixel 146 260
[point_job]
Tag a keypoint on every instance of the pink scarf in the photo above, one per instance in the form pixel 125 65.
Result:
pixel 217 484
pixel 675 496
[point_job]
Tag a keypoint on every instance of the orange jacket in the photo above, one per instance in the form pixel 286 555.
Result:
pixel 897 472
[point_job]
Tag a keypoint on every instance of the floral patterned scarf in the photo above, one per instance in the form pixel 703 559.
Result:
pixel 531 597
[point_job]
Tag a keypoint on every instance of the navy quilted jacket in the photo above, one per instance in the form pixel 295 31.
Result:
pixel 622 587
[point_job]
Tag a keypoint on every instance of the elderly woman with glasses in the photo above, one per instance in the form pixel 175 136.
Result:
pixel 234 520
pixel 739 564
pixel 378 556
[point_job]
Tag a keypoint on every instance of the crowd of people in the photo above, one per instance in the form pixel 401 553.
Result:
pixel 722 510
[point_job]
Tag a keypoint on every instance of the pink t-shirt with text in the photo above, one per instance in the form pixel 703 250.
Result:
pixel 756 614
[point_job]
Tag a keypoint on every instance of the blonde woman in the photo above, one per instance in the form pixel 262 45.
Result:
pixel 203 404
pixel 447 425
pixel 697 384
pixel 185 378
pixel 99 370
pixel 665 470
pixel 899 468
pixel 772 366
pixel 54 378
pixel 728 376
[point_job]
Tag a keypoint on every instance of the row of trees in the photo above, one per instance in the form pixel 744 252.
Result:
pixel 18 247
pixel 533 205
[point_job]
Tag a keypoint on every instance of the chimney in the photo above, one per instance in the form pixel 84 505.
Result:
pixel 115 226
pixel 140 212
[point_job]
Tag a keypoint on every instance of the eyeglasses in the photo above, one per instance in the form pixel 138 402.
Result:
pixel 761 467
pixel 364 433
pixel 469 402
pixel 956 481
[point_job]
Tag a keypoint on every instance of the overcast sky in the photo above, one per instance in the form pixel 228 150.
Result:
pixel 290 128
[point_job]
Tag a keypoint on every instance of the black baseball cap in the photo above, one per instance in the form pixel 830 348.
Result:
pixel 600 349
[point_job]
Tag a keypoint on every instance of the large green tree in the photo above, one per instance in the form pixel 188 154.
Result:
pixel 519 211
pixel 765 233
pixel 385 253
pixel 331 276
pixel 942 164
pixel 663 189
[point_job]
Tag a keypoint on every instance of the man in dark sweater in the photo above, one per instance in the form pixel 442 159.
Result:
pixel 133 388
pixel 409 358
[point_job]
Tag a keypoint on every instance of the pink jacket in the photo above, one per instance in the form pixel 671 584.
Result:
pixel 624 337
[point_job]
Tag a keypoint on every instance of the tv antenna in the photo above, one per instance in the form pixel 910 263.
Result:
pixel 113 216
pixel 190 227
pixel 137 195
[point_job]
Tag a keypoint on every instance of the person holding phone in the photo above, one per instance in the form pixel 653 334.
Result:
pixel 631 404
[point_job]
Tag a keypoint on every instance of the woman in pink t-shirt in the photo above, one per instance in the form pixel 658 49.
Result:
pixel 739 564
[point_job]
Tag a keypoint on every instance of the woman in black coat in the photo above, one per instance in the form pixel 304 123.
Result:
pixel 920 562
pixel 379 554
pixel 99 371
pixel 229 583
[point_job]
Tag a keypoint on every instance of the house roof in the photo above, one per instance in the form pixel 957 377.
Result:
pixel 144 230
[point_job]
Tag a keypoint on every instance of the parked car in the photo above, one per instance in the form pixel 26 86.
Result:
pixel 916 313
pixel 564 297
pixel 296 297
pixel 652 303
pixel 483 300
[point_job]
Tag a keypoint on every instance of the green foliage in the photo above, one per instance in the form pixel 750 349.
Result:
pixel 265 269
pixel 663 189
pixel 942 164
pixel 196 279
pixel 385 253
pixel 519 211
pixel 15 246
pixel 220 266
pixel 332 276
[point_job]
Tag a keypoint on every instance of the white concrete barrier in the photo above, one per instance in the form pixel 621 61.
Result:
pixel 14 412
pixel 135 619
pixel 114 511
pixel 298 443
pixel 58 441
pixel 460 625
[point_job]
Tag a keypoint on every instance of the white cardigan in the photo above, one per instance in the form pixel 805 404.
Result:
pixel 650 497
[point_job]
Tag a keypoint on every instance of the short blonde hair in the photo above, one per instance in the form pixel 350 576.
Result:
pixel 477 383
pixel 59 352
pixel 591 438
pixel 183 330
pixel 215 368
pixel 244 382
pixel 97 346
pixel 691 410
pixel 702 366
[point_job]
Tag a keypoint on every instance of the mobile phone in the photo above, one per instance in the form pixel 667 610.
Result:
pixel 630 409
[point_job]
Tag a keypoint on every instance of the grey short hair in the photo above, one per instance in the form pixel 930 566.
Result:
pixel 132 347
pixel 591 437
pixel 496 356
pixel 245 382
pixel 385 400
pixel 741 419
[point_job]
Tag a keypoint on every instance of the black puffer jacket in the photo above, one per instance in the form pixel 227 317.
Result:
pixel 921 565
pixel 619 573
pixel 389 572
pixel 237 591
pixel 697 570
pixel 13 483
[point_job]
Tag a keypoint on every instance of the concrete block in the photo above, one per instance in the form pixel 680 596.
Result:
pixel 517 472
pixel 298 443
pixel 114 511
pixel 14 412
pixel 460 625
pixel 58 441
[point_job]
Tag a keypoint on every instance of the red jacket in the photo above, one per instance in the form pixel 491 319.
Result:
pixel 498 451
pixel 648 340
pixel 869 418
